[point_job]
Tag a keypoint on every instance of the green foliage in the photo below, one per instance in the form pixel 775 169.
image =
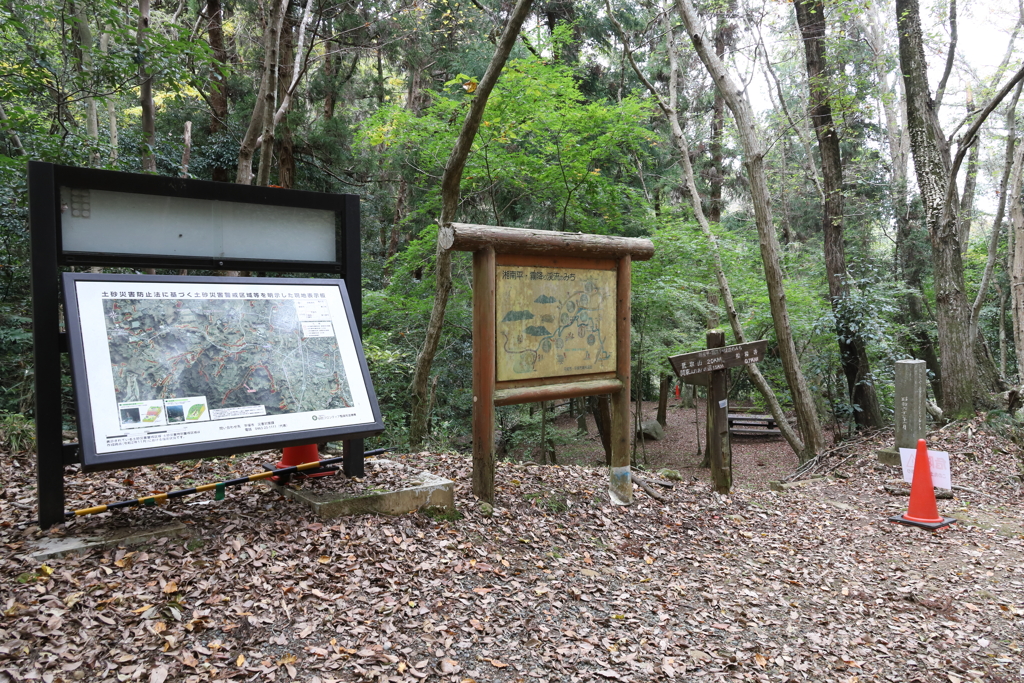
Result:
pixel 544 157
pixel 17 434
pixel 521 432
pixel 569 141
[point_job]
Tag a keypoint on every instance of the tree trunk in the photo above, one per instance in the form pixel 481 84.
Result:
pixel 601 407
pixel 910 259
pixel 1002 331
pixel 146 94
pixel 754 152
pixel 663 389
pixel 268 83
pixel 85 70
pixel 218 96
pixel 932 164
pixel 450 183
pixel 330 73
pixel 111 108
pixel 543 432
pixel 970 184
pixel 682 147
pixel 717 172
pixel 285 142
pixel 1017 268
pixel 993 243
pixel 810 16
pixel 186 153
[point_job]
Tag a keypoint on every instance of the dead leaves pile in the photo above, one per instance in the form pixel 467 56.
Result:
pixel 557 585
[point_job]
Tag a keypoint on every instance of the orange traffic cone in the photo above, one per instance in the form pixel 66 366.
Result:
pixel 922 511
pixel 300 455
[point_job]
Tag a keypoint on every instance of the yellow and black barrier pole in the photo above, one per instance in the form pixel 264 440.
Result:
pixel 217 487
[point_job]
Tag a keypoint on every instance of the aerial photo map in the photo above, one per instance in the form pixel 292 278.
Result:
pixel 186 360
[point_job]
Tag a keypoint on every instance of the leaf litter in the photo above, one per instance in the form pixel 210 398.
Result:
pixel 556 585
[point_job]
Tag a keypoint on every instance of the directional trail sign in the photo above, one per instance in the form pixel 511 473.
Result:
pixel 708 368
pixel 693 367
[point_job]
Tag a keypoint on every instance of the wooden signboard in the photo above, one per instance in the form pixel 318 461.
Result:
pixel 708 368
pixel 551 319
pixel 699 363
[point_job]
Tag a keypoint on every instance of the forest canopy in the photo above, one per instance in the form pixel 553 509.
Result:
pixel 850 190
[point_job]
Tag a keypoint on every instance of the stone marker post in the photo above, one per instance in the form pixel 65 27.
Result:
pixel 910 412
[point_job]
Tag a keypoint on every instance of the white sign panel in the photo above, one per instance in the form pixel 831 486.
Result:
pixel 939 462
pixel 179 362
pixel 128 222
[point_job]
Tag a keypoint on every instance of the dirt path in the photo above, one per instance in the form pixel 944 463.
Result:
pixel 755 460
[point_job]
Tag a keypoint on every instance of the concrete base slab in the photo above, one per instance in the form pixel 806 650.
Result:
pixel 890 457
pixel 428 490
pixel 51 547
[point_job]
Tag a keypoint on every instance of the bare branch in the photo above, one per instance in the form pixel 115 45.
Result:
pixel 949 56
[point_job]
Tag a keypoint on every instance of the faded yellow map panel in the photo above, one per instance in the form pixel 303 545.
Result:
pixel 553 322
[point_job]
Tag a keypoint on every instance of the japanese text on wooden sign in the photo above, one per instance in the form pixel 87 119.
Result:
pixel 709 360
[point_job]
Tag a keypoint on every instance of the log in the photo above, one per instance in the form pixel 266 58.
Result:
pixel 469 237
pixel 546 392
pixel 648 489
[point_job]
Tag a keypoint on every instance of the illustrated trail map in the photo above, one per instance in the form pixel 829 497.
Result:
pixel 189 360
pixel 554 321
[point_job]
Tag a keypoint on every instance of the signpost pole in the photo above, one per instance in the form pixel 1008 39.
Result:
pixel 719 448
pixel 352 449
pixel 484 372
pixel 620 483
pixel 46 350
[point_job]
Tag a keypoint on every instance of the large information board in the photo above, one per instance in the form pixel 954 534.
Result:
pixel 554 321
pixel 164 365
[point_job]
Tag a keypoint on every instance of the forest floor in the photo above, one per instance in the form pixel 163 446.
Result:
pixel 557 585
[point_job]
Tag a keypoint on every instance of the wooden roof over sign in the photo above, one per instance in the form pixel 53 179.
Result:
pixel 469 237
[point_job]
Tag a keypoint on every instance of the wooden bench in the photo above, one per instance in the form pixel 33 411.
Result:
pixel 751 424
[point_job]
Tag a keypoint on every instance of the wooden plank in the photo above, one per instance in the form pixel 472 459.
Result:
pixel 469 237
pixel 742 431
pixel 547 392
pixel 701 379
pixel 620 483
pixel 712 359
pixel 557 262
pixel 483 374
pixel 541 381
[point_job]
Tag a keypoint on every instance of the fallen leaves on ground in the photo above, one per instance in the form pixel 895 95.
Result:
pixel 557 585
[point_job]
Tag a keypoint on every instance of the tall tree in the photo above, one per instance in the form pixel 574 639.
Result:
pixel 218 97
pixel 671 110
pixel 265 98
pixel 450 184
pixel 936 179
pixel 810 17
pixel 754 152
pixel 146 93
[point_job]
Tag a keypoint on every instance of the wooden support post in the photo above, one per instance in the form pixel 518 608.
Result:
pixel 719 448
pixel 483 373
pixel 620 484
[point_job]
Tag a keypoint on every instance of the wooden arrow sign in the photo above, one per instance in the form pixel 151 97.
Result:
pixel 693 368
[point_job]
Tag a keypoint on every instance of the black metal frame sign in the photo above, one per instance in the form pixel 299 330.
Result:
pixel 168 367
pixel 77 218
